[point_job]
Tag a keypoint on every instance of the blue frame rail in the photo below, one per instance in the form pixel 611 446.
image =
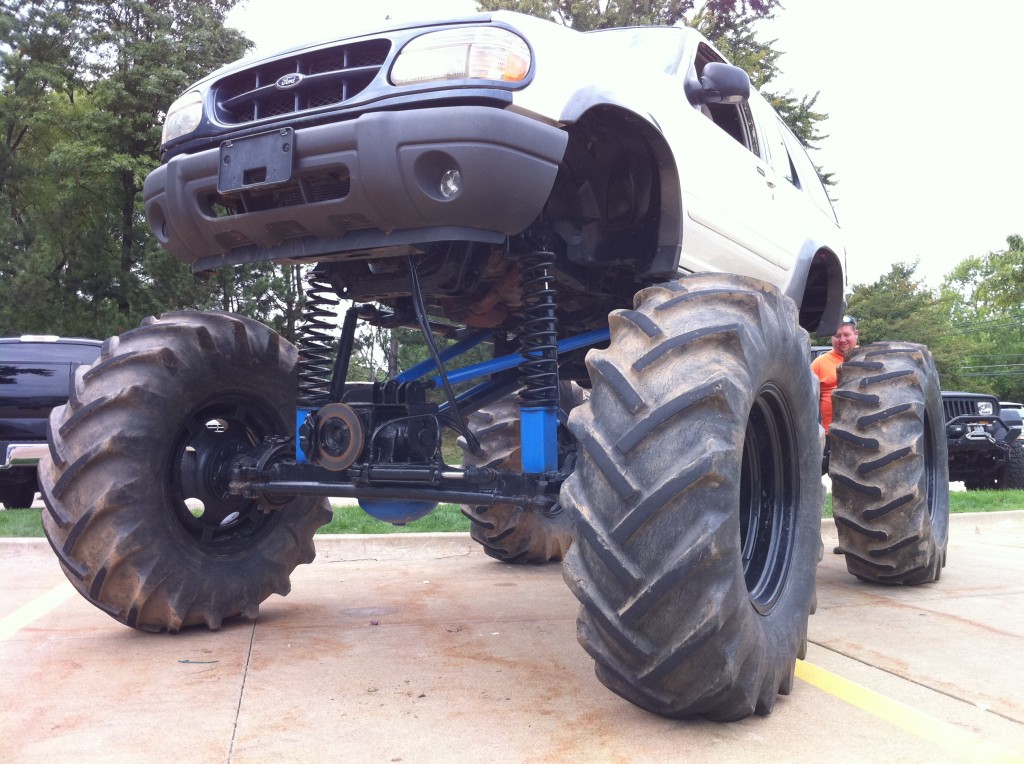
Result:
pixel 538 429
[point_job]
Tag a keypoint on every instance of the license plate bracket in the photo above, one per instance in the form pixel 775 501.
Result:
pixel 256 161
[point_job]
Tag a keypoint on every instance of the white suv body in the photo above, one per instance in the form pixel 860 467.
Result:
pixel 735 191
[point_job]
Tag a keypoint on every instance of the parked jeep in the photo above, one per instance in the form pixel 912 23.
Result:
pixel 34 376
pixel 983 441
pixel 642 244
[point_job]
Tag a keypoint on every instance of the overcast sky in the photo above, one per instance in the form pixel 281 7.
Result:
pixel 924 105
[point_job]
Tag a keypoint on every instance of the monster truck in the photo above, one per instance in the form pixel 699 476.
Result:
pixel 983 441
pixel 617 216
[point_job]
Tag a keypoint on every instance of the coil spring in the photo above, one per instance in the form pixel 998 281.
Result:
pixel 316 344
pixel 538 373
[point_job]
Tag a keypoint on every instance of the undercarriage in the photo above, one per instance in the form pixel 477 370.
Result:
pixel 381 442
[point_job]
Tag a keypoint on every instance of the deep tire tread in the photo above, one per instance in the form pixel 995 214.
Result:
pixel 505 531
pixel 890 500
pixel 109 513
pixel 664 614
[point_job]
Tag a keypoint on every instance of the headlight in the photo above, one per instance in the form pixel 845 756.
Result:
pixel 183 117
pixel 484 53
pixel 985 408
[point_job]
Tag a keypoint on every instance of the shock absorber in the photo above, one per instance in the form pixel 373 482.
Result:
pixel 328 432
pixel 315 343
pixel 539 369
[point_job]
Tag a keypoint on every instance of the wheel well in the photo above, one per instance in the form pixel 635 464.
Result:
pixel 821 298
pixel 616 198
pixel 617 202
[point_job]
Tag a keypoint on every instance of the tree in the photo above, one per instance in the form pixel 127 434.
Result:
pixel 585 15
pixel 898 306
pixel 985 294
pixel 83 86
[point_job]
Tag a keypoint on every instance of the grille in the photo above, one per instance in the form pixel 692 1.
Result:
pixel 959 407
pixel 330 76
pixel 303 190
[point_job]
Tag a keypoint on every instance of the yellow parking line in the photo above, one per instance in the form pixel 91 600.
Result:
pixel 37 608
pixel 910 719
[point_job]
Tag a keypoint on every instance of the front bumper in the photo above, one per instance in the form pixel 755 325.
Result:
pixel 23 455
pixel 384 168
pixel 976 433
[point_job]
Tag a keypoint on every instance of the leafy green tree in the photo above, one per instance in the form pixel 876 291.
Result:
pixel 83 86
pixel 604 14
pixel 985 295
pixel 268 292
pixel 1004 285
pixel 898 306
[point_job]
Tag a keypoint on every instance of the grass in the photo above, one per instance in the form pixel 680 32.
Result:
pixel 446 518
pixel 27 523
pixel 21 523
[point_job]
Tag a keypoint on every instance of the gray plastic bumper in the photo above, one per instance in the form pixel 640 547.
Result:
pixel 392 163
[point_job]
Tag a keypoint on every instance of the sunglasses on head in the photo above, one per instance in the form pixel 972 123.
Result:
pixel 849 321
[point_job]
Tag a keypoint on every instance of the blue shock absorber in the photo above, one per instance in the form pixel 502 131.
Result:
pixel 539 368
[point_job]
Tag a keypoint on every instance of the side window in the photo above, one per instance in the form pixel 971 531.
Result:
pixel 811 182
pixel 733 118
pixel 776 152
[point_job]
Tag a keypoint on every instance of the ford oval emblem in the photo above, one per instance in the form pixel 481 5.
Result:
pixel 288 81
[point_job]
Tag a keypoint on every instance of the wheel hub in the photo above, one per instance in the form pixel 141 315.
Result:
pixel 213 439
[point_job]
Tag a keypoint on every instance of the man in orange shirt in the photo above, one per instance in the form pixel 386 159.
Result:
pixel 825 366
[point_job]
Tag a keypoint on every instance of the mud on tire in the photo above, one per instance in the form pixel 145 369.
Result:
pixel 889 467
pixel 151 424
pixel 505 531
pixel 697 499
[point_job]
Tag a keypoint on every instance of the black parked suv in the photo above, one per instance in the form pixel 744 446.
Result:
pixel 34 376
pixel 982 439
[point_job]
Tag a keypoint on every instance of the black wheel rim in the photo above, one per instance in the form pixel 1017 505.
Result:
pixel 209 441
pixel 930 467
pixel 768 498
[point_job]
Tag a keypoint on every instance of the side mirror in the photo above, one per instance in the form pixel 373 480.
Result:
pixel 723 83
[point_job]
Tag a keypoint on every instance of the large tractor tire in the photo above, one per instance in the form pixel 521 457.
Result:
pixel 505 531
pixel 697 499
pixel 889 468
pixel 137 507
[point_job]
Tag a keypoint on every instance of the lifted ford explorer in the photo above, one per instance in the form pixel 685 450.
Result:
pixel 642 245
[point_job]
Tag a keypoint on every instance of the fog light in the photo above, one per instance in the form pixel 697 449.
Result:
pixel 451 184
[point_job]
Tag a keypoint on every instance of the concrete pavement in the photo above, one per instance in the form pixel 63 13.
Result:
pixel 419 648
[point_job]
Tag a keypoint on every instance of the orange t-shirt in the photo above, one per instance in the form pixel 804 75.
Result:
pixel 825 366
